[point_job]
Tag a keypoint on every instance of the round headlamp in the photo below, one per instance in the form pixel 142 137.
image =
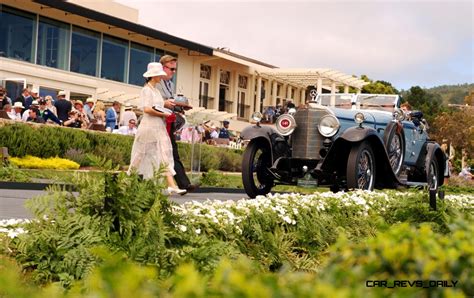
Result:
pixel 285 124
pixel 257 116
pixel 328 126
pixel 399 115
pixel 359 118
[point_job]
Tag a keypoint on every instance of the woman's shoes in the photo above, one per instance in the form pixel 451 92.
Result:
pixel 172 190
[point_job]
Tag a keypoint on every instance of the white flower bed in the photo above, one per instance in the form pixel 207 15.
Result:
pixel 227 216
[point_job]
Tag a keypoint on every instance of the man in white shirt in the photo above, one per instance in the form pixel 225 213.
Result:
pixel 17 109
pixel 128 115
pixel 130 129
pixel 214 133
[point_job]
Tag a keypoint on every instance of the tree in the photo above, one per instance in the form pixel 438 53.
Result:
pixel 377 87
pixel 429 104
pixel 456 126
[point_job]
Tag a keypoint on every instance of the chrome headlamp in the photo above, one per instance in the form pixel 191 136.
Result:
pixel 257 116
pixel 359 118
pixel 285 124
pixel 328 126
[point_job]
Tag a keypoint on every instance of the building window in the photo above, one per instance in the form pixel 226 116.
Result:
pixel 140 56
pixel 205 72
pixel 53 43
pixel 242 82
pixel 114 59
pixel 225 77
pixel 204 94
pixel 242 108
pixel 17 34
pixel 85 51
pixel 158 54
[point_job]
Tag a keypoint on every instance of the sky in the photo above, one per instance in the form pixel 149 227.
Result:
pixel 407 43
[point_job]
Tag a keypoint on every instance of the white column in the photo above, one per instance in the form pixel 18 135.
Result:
pixel 274 93
pixel 346 89
pixel 303 96
pixel 288 92
pixel 216 80
pixel 359 90
pixel 333 92
pixel 251 93
pixel 319 86
pixel 259 94
pixel 234 89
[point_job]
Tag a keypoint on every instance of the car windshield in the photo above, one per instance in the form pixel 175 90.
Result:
pixel 335 100
pixel 376 102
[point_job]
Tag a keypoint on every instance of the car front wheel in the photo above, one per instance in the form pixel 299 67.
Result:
pixel 360 172
pixel 256 177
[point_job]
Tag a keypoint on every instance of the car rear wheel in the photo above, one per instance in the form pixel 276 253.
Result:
pixel 256 177
pixel 394 144
pixel 433 174
pixel 360 171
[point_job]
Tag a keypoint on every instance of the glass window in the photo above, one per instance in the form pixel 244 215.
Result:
pixel 17 34
pixel 44 91
pixel 158 54
pixel 85 51
pixel 114 59
pixel 140 56
pixel 205 72
pixel 53 43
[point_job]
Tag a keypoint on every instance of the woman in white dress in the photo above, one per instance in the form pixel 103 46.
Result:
pixel 152 145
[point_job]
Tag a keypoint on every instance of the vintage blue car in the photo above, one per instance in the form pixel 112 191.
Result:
pixel 344 141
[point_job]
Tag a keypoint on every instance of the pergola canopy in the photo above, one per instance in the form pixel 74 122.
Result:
pixel 309 77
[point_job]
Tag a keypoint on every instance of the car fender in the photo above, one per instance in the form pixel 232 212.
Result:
pixel 359 134
pixel 257 133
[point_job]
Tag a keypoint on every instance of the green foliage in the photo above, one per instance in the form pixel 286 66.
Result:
pixel 405 253
pixel 11 172
pixel 453 94
pixel 212 157
pixel 421 100
pixel 76 144
pixel 377 87
pixel 214 178
pixel 51 141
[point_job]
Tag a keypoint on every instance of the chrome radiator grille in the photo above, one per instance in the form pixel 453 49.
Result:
pixel 306 139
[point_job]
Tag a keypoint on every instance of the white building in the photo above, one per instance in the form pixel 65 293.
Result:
pixel 98 49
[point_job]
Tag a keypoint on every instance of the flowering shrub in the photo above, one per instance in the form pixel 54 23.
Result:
pixel 31 162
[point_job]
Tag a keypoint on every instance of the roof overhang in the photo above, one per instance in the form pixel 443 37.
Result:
pixel 120 23
pixel 310 77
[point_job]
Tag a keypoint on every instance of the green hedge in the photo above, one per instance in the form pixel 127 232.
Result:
pixel 51 141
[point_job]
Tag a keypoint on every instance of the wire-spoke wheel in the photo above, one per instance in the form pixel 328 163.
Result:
pixel 360 172
pixel 433 174
pixel 394 144
pixel 256 177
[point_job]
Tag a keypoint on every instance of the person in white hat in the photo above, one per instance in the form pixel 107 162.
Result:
pixel 89 107
pixel 152 146
pixel 17 109
pixel 127 115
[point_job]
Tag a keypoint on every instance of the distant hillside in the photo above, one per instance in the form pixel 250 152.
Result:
pixel 452 93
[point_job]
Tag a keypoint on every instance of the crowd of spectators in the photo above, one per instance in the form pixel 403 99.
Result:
pixel 271 113
pixel 92 114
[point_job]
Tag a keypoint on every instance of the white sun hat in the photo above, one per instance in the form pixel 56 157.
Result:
pixel 18 104
pixel 154 69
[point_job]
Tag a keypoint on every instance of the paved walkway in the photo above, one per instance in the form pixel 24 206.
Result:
pixel 12 201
